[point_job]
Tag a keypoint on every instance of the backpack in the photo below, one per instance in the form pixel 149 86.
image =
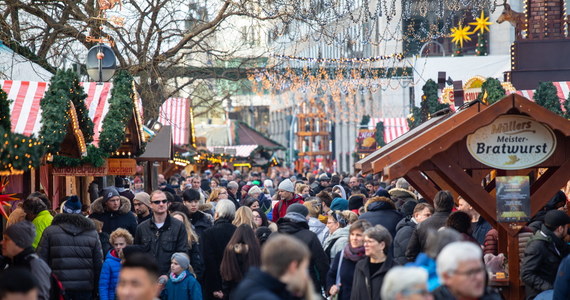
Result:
pixel 57 291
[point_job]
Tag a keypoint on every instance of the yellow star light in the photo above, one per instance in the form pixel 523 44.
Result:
pixel 481 24
pixel 460 34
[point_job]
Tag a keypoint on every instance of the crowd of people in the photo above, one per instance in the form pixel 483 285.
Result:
pixel 226 235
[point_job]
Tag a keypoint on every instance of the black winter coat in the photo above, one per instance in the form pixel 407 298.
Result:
pixel 72 249
pixel 162 243
pixel 196 261
pixel 443 293
pixel 542 256
pixel 319 264
pixel 214 242
pixel 366 287
pixel 346 276
pixel 384 214
pixel 258 285
pixel 200 221
pixel 29 260
pixel 404 231
pixel 123 218
pixel 419 237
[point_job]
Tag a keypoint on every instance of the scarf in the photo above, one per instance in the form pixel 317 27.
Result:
pixel 178 278
pixel 353 254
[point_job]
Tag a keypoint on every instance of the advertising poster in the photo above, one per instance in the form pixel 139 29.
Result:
pixel 513 199
pixel 366 142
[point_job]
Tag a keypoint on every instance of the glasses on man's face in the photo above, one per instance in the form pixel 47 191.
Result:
pixel 471 273
pixel 222 193
pixel 157 202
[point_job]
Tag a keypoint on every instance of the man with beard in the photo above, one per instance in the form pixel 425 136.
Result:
pixel 141 202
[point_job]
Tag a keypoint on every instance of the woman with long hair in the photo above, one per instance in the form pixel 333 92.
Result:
pixel 196 262
pixel 241 253
pixel 244 215
pixel 217 194
pixel 259 218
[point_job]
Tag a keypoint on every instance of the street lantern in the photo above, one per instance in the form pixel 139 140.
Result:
pixel 101 63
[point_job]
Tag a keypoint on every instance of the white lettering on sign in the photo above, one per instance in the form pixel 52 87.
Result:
pixel 512 142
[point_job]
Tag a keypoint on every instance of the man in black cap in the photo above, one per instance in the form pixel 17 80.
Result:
pixel 324 181
pixel 17 248
pixel 544 252
pixel 114 211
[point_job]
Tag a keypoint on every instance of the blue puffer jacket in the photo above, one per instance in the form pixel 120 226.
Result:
pixel 187 289
pixel 109 276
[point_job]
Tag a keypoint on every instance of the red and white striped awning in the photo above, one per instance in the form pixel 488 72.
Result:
pixel 175 112
pixel 393 127
pixel 26 112
pixel 240 150
pixel 562 87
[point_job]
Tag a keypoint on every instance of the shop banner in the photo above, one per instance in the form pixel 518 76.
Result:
pixel 121 166
pixel 366 141
pixel 85 170
pixel 513 199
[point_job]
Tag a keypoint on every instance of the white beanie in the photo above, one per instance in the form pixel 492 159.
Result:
pixel 287 185
pixel 254 190
pixel 268 183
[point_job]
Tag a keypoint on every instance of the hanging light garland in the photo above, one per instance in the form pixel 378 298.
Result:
pixel 395 56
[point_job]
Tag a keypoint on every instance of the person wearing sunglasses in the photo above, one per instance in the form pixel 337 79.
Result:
pixel 162 235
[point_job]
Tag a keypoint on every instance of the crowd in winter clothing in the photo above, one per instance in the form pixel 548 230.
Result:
pixel 226 235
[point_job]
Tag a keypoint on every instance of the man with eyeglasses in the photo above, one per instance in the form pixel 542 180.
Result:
pixel 461 270
pixel 161 236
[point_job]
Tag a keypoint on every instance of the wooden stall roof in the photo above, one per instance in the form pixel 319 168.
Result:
pixel 365 165
pixel 160 147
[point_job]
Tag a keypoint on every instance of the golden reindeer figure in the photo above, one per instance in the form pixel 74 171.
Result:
pixel 516 19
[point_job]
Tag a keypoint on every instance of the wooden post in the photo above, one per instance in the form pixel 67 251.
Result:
pixel 515 285
pixel 423 185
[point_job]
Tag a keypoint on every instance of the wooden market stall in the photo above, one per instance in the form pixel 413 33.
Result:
pixel 467 151
pixel 158 153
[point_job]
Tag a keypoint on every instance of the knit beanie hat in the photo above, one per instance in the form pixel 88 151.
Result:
pixel 268 183
pixel 109 193
pixel 72 205
pixel 339 204
pixel 298 208
pixel 182 259
pixel 143 197
pixel 254 190
pixel 287 185
pixel 22 233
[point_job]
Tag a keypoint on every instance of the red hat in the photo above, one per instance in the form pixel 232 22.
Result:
pixel 246 188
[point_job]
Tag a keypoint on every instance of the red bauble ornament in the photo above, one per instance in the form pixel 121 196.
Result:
pixel 100 55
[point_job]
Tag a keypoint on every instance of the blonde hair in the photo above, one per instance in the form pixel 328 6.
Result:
pixel 350 216
pixel 192 236
pixel 215 194
pixel 244 215
pixel 313 207
pixel 299 188
pixel 121 233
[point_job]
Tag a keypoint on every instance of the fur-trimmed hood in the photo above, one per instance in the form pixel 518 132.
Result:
pixel 397 193
pixel 73 224
pixel 205 207
pixel 97 207
pixel 377 204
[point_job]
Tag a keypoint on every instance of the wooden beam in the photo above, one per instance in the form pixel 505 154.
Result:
pixel 470 190
pixel 423 185
pixel 542 194
pixel 441 182
pixel 515 284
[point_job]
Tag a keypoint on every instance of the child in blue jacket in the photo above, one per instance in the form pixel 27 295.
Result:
pixel 182 283
pixel 109 277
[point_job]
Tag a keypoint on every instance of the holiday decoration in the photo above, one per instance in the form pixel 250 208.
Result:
pixel 460 34
pixel 491 91
pixel 379 135
pixel 428 106
pixel 481 49
pixel 546 96
pixel 5 198
pixel 55 120
pixel 77 96
pixel 567 108
pixel 481 24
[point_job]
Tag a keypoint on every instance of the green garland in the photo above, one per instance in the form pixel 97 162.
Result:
pixel 77 96
pixel 55 119
pixel 95 157
pixel 17 151
pixel 120 108
pixel 379 136
pixel 492 90
pixel 546 95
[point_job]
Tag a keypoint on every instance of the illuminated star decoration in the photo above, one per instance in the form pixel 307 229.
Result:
pixel 460 34
pixel 481 24
pixel 5 198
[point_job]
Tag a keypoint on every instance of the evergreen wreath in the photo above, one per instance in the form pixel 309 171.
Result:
pixel 55 105
pixel 77 96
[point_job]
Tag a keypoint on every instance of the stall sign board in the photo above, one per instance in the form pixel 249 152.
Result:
pixel 122 166
pixel 84 170
pixel 512 142
pixel 513 199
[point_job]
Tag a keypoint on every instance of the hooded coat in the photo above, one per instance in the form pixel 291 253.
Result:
pixel 419 237
pixel 404 231
pixel 280 208
pixel 258 285
pixel 214 242
pixel 336 241
pixel 342 190
pixel 109 277
pixel 296 225
pixel 123 218
pixel 319 228
pixel 401 196
pixel 383 213
pixel 72 249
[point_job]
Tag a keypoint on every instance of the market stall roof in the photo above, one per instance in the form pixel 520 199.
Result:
pixel 393 127
pixel 562 88
pixel 17 67
pixel 176 112
pixel 246 135
pixel 160 147
pixel 240 150
pixel 26 111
